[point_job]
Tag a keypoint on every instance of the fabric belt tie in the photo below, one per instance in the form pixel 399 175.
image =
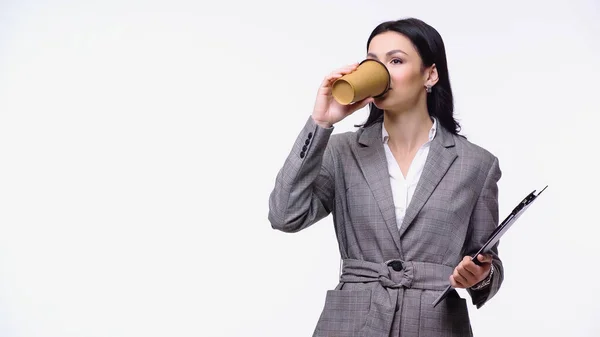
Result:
pixel 393 276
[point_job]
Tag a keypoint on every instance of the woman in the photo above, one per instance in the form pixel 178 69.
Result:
pixel 411 199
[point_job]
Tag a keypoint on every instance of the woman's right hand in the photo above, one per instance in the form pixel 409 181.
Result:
pixel 327 110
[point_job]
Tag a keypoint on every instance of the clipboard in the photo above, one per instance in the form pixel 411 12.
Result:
pixel 496 234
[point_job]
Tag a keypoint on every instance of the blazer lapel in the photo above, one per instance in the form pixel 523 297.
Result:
pixel 373 163
pixel 441 155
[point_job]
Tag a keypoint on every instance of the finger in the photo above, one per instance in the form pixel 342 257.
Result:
pixel 360 104
pixel 469 264
pixel 459 284
pixel 485 258
pixel 485 273
pixel 481 274
pixel 481 260
pixel 350 67
pixel 341 72
pixel 472 267
pixel 459 279
pixel 452 282
pixel 466 271
pixel 328 80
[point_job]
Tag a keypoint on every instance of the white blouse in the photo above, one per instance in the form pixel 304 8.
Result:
pixel 403 188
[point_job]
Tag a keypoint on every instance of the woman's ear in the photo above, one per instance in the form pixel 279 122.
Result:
pixel 431 76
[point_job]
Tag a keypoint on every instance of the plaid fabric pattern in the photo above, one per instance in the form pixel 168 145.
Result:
pixel 453 210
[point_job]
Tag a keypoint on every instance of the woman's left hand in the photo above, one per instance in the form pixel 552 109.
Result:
pixel 468 274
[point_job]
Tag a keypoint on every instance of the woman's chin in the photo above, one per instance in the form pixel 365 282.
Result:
pixel 380 102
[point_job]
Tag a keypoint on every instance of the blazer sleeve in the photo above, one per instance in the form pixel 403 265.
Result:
pixel 304 186
pixel 484 220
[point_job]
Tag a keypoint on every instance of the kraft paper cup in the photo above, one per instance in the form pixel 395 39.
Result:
pixel 370 79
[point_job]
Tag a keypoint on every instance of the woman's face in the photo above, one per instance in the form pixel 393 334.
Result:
pixel 408 79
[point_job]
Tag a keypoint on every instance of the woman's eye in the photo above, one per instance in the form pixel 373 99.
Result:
pixel 396 61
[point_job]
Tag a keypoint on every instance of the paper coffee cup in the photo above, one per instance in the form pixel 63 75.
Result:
pixel 370 79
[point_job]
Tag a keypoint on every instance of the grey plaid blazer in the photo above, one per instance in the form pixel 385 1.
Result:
pixel 391 274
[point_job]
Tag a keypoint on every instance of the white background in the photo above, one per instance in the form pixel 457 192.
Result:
pixel 139 142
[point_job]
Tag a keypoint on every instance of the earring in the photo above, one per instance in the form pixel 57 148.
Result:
pixel 428 88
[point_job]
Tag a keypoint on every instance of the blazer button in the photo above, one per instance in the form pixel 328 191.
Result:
pixel 302 154
pixel 306 142
pixel 309 135
pixel 304 148
pixel 396 265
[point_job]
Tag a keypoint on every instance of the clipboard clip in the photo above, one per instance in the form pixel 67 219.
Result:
pixel 511 218
pixel 528 199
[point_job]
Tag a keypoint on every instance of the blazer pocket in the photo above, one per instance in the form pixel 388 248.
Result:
pixel 449 318
pixel 344 314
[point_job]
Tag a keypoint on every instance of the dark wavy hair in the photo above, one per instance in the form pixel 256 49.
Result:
pixel 430 46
